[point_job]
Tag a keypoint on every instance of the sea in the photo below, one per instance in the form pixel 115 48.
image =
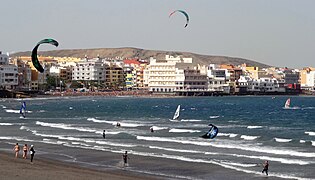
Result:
pixel 252 129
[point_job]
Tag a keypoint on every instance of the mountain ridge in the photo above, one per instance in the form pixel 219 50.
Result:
pixel 131 52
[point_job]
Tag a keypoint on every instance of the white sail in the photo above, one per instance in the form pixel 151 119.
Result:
pixel 287 103
pixel 176 115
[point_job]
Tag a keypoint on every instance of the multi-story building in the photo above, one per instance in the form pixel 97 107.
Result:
pixel 8 76
pixel 114 76
pixel 162 76
pixel 4 59
pixel 89 70
pixel 217 79
pixel 307 78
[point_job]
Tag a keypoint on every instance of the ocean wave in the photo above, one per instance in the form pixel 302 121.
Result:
pixel 238 164
pixel 175 150
pixel 190 120
pixel 174 130
pixel 6 124
pixel 15 111
pixel 157 128
pixel 310 133
pixel 213 117
pixel 231 135
pixel 4 107
pixel 267 150
pixel 114 123
pixel 254 127
pixel 302 141
pixel 65 126
pixel 282 140
pixel 246 137
pixel 313 143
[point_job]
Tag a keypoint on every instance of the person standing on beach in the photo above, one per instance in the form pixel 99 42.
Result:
pixel 16 149
pixel 25 149
pixel 104 134
pixel 32 152
pixel 125 159
pixel 266 166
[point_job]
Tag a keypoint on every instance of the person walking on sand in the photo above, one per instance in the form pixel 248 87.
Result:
pixel 266 166
pixel 25 149
pixel 16 149
pixel 32 152
pixel 125 159
pixel 104 134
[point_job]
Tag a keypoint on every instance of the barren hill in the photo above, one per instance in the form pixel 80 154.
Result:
pixel 129 52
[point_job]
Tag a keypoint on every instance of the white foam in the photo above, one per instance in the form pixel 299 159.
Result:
pixel 41 111
pixel 6 124
pixel 310 133
pixel 282 160
pixel 175 150
pixel 122 124
pixel 254 127
pixel 246 137
pixel 156 128
pixel 302 141
pixel 238 164
pixel 264 149
pixel 231 135
pixel 115 144
pixel 213 117
pixel 190 120
pixel 174 130
pixel 313 143
pixel 12 111
pixel 65 126
pixel 282 140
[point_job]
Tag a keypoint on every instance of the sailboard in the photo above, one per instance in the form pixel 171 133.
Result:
pixel 23 109
pixel 287 103
pixel 176 114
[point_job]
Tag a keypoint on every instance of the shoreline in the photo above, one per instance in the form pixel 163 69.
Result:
pixel 140 167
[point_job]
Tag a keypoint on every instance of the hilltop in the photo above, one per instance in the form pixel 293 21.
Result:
pixel 129 52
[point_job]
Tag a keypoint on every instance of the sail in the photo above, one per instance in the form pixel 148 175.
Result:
pixel 23 109
pixel 287 103
pixel 212 133
pixel 176 115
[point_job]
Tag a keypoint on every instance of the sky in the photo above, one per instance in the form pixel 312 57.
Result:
pixel 274 32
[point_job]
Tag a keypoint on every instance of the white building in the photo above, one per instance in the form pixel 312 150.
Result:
pixel 264 85
pixel 217 79
pixel 163 76
pixel 89 70
pixel 4 59
pixel 8 76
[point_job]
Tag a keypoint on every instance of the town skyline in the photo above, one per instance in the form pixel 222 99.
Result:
pixel 276 33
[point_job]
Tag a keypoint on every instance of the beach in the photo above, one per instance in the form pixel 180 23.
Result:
pixel 67 132
pixel 12 168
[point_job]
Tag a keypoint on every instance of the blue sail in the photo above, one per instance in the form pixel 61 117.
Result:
pixel 212 133
pixel 23 109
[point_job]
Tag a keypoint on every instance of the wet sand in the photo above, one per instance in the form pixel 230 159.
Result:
pixel 14 169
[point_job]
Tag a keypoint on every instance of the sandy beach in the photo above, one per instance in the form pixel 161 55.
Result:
pixel 49 169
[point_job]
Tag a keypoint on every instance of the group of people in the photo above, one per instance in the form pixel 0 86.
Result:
pixel 31 150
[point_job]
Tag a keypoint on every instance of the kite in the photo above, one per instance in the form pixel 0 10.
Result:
pixel 212 133
pixel 183 12
pixel 34 53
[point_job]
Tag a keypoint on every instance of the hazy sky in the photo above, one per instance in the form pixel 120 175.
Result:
pixel 274 32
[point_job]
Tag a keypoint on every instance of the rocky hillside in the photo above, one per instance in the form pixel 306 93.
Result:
pixel 143 54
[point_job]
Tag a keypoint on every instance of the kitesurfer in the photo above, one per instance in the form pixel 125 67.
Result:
pixel 266 166
pixel 118 124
